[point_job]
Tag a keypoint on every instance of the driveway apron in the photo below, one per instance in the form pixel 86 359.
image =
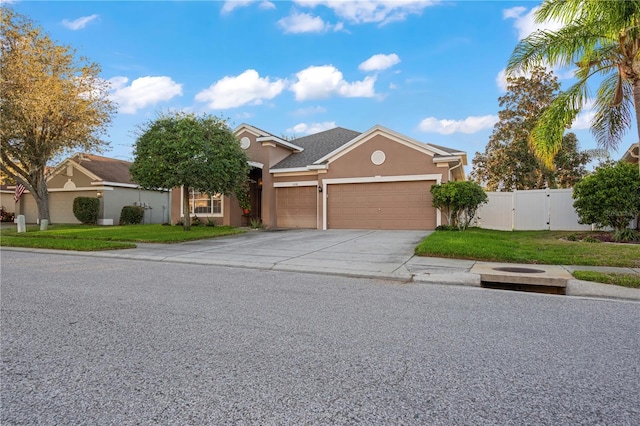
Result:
pixel 366 253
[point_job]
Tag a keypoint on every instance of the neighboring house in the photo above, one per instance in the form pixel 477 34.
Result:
pixel 632 155
pixel 88 175
pixel 338 178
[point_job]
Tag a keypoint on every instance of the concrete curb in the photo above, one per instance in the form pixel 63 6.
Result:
pixel 593 289
pixel 455 278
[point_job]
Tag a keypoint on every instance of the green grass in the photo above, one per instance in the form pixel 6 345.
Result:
pixel 625 280
pixel 85 238
pixel 542 247
pixel 58 244
pixel 135 233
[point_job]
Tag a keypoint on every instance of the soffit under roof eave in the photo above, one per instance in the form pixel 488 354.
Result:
pixel 452 159
pixel 632 152
pixel 281 142
pixel 309 168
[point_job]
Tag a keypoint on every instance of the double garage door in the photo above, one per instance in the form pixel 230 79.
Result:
pixel 379 205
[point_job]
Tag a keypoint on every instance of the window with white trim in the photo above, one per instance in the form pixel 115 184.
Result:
pixel 202 204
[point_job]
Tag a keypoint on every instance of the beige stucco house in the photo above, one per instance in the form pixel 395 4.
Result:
pixel 336 179
pixel 89 175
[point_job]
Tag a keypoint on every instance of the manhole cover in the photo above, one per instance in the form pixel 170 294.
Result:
pixel 519 270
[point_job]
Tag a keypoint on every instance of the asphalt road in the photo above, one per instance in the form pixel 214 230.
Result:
pixel 111 341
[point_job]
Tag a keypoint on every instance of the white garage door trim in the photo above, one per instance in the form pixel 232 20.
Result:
pixel 298 183
pixel 374 179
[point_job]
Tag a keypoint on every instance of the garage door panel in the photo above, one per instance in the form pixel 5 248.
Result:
pixel 384 205
pixel 297 207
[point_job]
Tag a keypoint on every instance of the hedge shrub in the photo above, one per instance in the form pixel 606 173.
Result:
pixel 86 209
pixel 131 215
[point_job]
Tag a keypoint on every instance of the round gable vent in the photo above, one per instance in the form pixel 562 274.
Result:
pixel 378 157
pixel 245 142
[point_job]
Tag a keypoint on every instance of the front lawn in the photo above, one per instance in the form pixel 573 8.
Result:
pixel 543 247
pixel 625 280
pixel 63 244
pixel 85 237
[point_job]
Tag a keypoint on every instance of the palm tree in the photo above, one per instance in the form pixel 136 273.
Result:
pixel 600 38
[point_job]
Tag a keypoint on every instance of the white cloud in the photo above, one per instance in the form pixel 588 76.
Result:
pixel 583 120
pixel 297 23
pixel 79 23
pixel 142 92
pixel 468 125
pixel 235 91
pixel 230 5
pixel 311 128
pixel 244 115
pixel 379 62
pixel 393 86
pixel 320 82
pixel 266 5
pixel 367 11
pixel 525 22
pixel 309 111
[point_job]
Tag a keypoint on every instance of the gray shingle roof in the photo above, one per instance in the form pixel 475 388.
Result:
pixel 108 169
pixel 316 146
pixel 445 149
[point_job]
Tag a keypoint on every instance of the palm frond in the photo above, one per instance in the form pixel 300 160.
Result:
pixel 610 123
pixel 601 60
pixel 546 137
pixel 558 48
pixel 610 16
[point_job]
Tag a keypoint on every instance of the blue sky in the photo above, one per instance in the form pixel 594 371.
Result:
pixel 432 70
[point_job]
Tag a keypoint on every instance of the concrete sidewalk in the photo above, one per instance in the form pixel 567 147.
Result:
pixel 469 272
pixel 355 253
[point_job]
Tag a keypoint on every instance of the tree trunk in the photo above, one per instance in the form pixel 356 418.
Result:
pixel 185 208
pixel 41 195
pixel 636 104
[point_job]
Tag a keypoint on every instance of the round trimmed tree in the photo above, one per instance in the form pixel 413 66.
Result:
pixel 195 152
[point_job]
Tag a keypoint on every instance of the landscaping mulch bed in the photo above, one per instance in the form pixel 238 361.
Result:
pixel 603 237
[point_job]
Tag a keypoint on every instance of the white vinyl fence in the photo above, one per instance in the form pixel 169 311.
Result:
pixel 540 209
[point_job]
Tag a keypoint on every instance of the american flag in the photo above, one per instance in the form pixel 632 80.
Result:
pixel 19 191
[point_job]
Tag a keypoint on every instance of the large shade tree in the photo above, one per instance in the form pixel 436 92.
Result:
pixel 508 162
pixel 51 103
pixel 602 39
pixel 195 152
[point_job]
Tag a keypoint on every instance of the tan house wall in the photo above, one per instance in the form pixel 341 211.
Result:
pixel 400 160
pixel 80 179
pixel 269 154
pixel 6 200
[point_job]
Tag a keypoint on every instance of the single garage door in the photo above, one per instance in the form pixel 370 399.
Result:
pixel 385 205
pixel 61 206
pixel 297 207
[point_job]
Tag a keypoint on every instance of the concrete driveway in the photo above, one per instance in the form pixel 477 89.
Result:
pixel 364 253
